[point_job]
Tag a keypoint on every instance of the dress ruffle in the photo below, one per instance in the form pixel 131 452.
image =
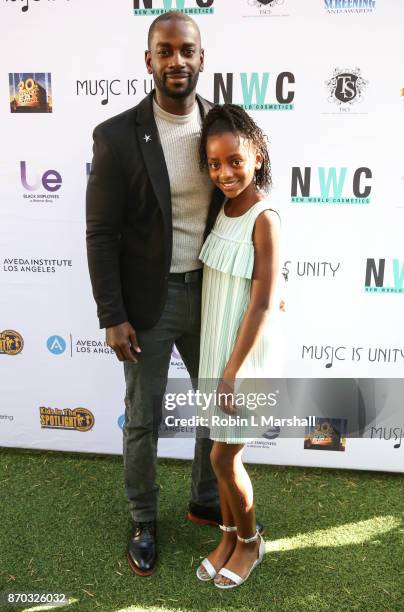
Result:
pixel 233 257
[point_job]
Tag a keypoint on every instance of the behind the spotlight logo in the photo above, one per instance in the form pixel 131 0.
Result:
pixel 255 90
pixel 332 185
pixel 158 7
pixel 384 275
pixel 349 6
pixel 346 88
pixel 76 419
pixel 11 342
pixel 30 92
pixel 266 8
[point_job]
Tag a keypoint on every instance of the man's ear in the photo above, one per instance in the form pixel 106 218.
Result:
pixel 148 61
pixel 202 56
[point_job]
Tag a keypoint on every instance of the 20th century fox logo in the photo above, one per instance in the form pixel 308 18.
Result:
pixel 158 7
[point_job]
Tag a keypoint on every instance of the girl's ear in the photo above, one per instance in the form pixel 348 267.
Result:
pixel 258 160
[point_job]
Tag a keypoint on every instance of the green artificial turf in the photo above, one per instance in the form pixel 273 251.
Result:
pixel 334 538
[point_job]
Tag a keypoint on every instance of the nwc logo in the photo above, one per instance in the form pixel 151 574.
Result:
pixel 375 278
pixel 150 8
pixel 253 89
pixel 331 184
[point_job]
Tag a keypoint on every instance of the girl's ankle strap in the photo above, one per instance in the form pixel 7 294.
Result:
pixel 225 528
pixel 248 540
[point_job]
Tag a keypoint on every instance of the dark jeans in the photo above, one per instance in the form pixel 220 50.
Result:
pixel 145 386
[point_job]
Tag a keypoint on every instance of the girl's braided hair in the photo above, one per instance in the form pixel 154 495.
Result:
pixel 233 118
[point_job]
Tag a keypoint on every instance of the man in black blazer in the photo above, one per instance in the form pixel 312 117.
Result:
pixel 145 298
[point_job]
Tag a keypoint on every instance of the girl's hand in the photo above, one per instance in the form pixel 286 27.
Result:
pixel 225 392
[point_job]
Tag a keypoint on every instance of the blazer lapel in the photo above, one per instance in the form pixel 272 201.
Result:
pixel 204 105
pixel 152 152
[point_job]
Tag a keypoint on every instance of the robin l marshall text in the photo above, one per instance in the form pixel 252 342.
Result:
pixel 231 421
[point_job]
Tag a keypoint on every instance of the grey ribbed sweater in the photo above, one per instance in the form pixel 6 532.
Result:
pixel 190 188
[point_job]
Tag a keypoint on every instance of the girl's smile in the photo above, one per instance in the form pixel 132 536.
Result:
pixel 232 163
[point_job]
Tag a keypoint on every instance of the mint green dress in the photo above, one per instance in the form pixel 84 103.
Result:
pixel 228 257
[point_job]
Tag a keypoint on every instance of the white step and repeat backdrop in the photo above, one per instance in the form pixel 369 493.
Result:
pixel 324 78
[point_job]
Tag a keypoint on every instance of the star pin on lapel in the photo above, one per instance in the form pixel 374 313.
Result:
pixel 147 137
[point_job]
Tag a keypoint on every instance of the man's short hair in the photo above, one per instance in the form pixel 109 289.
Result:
pixel 166 17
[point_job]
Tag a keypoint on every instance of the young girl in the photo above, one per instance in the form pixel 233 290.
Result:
pixel 239 285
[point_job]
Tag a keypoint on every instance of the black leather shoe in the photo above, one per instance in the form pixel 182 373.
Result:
pixel 210 515
pixel 142 551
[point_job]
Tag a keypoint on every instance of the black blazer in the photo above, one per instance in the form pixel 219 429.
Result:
pixel 129 218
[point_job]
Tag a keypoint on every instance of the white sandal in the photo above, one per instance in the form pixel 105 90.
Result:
pixel 237 580
pixel 207 565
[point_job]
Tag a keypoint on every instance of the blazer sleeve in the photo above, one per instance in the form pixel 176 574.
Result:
pixel 105 204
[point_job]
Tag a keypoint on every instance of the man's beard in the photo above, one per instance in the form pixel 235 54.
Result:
pixel 171 92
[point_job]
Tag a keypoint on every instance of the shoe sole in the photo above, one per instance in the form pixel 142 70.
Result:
pixel 138 571
pixel 201 521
